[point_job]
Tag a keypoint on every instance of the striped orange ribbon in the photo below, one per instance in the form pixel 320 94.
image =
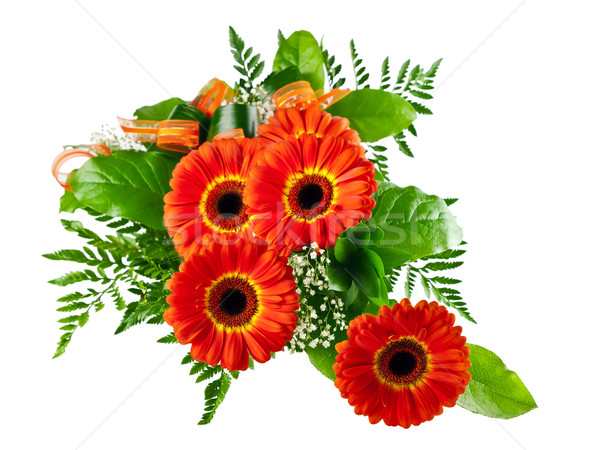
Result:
pixel 211 96
pixel 236 133
pixel 177 135
pixel 300 95
pixel 86 151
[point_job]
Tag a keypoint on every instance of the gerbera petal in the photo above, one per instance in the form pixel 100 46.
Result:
pixel 392 351
pixel 244 306
pixel 314 203
pixel 207 197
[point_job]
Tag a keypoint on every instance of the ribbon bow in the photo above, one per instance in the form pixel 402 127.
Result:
pixel 300 95
pixel 86 151
pixel 179 135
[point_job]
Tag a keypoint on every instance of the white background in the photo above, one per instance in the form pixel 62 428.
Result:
pixel 514 136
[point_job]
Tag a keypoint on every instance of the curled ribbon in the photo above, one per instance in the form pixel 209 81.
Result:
pixel 179 135
pixel 236 133
pixel 176 135
pixel 211 96
pixel 300 95
pixel 87 151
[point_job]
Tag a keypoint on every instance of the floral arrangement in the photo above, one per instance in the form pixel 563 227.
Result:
pixel 261 217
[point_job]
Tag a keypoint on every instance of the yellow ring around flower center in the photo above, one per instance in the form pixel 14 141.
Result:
pixel 329 191
pixel 227 288
pixel 401 362
pixel 208 213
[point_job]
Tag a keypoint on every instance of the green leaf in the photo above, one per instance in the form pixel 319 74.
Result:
pixel 68 203
pixel 414 223
pixel 364 274
pixel 324 358
pixel 277 80
pixel 360 234
pixel 494 390
pixel 390 256
pixel 301 50
pixel 126 184
pixel 339 278
pixel 160 111
pixel 344 248
pixel 374 114
pixel 374 259
pixel 232 116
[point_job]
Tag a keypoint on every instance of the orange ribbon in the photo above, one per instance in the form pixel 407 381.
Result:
pixel 211 96
pixel 300 95
pixel 236 133
pixel 177 135
pixel 87 151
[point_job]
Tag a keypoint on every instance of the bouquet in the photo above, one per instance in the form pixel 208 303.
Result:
pixel 261 217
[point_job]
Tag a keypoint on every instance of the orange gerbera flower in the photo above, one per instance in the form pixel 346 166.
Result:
pixel 307 189
pixel 404 364
pixel 312 120
pixel 233 300
pixel 207 200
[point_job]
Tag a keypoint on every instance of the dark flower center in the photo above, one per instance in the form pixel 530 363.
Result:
pixel 224 206
pixel 310 196
pixel 401 362
pixel 233 302
pixel 229 205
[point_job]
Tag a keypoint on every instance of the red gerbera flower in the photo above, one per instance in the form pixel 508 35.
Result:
pixel 206 200
pixel 404 364
pixel 312 120
pixel 309 190
pixel 233 300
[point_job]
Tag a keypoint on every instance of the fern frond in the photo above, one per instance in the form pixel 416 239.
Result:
pixel 403 145
pixel 360 72
pixel 409 284
pixel 214 394
pixel 331 69
pixel 379 160
pixel 385 74
pixel 249 65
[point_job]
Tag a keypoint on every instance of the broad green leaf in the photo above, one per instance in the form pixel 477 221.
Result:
pixel 374 114
pixel 232 116
pixel 376 234
pixel 69 203
pixel 390 256
pixel 359 234
pixel 301 50
pixel 277 80
pixel 374 260
pixel 339 278
pixel 324 358
pixel 415 224
pixel 494 390
pixel 344 248
pixel 160 111
pixel 126 184
pixel 364 274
